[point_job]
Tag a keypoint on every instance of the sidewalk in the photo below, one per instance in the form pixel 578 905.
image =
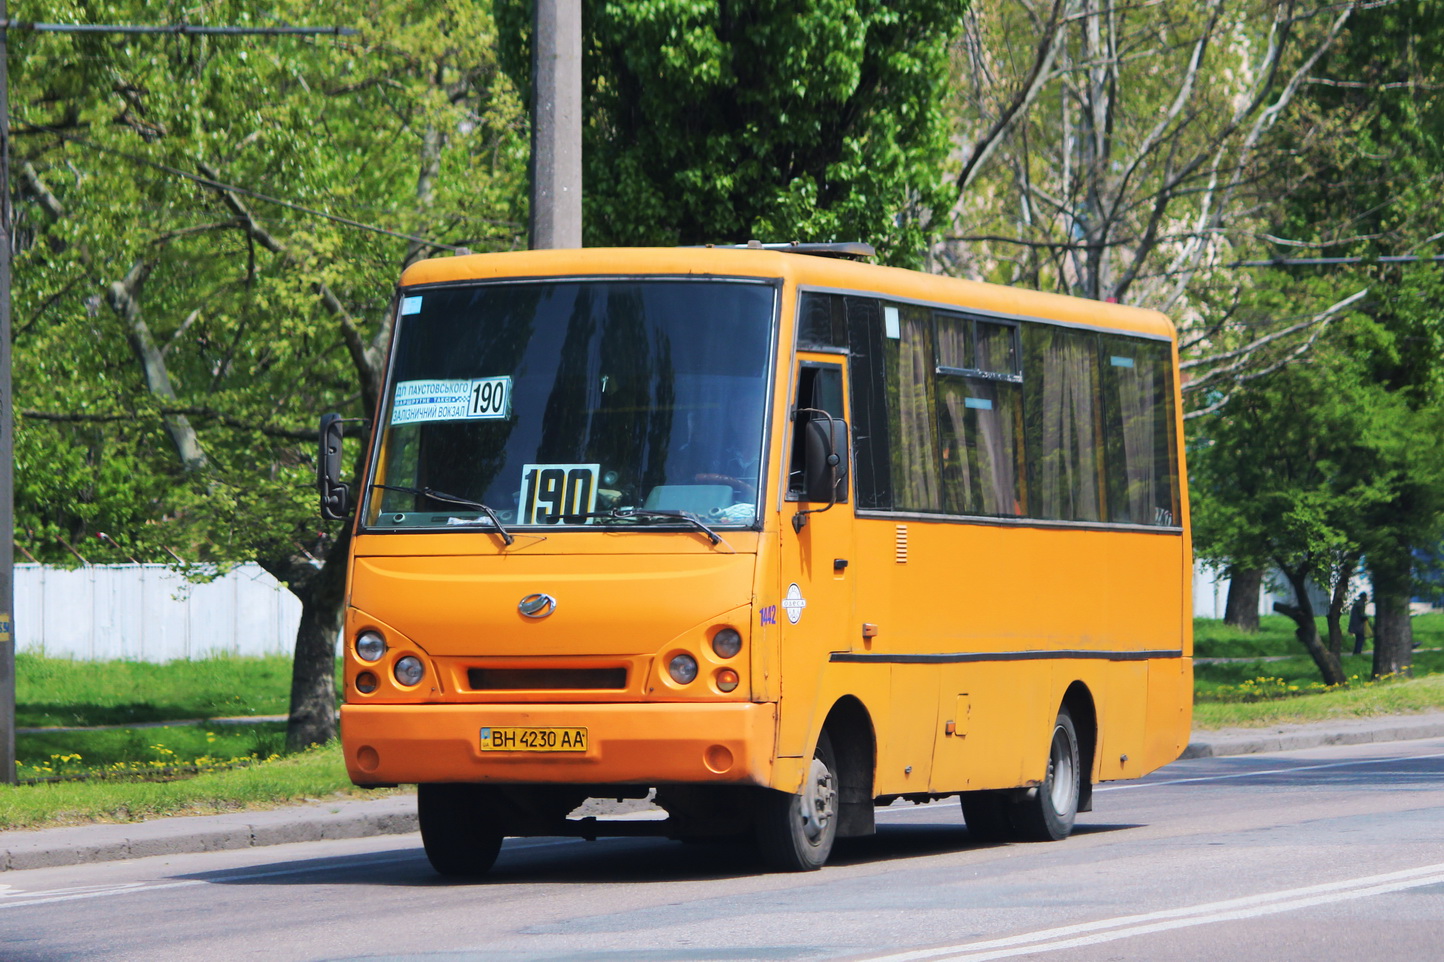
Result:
pixel 396 814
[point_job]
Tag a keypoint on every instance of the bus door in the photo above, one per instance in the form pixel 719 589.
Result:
pixel 815 605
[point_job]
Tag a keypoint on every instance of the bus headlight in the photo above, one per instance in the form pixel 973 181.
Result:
pixel 682 668
pixel 409 670
pixel 727 643
pixel 370 646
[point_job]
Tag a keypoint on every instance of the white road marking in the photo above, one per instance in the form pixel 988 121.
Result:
pixel 15 898
pixel 1271 771
pixel 1129 926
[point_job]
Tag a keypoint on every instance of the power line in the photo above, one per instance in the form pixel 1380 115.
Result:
pixel 232 188
pixel 1326 261
pixel 177 28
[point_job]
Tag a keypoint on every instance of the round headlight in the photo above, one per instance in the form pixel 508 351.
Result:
pixel 409 670
pixel 682 668
pixel 726 643
pixel 370 646
pixel 366 682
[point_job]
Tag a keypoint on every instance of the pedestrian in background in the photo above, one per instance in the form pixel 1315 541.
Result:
pixel 1359 622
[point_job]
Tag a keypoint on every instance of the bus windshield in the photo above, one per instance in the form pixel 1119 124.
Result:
pixel 575 404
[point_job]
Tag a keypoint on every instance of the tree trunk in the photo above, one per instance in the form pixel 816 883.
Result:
pixel 1343 577
pixel 1241 609
pixel 1393 631
pixel 1307 630
pixel 321 592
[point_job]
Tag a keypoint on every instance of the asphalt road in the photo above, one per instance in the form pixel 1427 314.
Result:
pixel 1328 854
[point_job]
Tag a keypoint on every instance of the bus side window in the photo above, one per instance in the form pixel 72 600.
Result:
pixel 819 387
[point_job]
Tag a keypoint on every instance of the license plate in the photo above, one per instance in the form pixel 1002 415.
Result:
pixel 533 739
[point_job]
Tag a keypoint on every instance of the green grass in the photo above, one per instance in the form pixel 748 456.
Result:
pixel 315 774
pixel 145 750
pixel 1395 696
pixel 1214 639
pixel 60 691
pixel 1271 680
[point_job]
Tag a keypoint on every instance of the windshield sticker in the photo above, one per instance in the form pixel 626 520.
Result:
pixel 410 305
pixel 484 398
pixel 793 603
pixel 549 491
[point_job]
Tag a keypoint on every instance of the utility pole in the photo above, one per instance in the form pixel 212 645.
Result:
pixel 7 248
pixel 556 125
pixel 7 433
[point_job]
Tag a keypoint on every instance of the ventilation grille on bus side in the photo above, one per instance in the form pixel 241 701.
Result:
pixel 902 544
pixel 547 679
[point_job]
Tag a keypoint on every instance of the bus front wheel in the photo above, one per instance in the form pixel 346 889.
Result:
pixel 460 829
pixel 1046 813
pixel 795 832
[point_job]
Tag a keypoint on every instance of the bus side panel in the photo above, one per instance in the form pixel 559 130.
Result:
pixel 1170 704
pixel 998 713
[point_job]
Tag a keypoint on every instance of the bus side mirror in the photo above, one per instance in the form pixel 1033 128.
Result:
pixel 335 495
pixel 824 460
pixel 824 463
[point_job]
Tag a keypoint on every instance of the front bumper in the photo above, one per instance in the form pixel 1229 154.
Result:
pixel 628 744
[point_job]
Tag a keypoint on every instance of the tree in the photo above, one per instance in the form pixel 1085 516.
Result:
pixel 719 123
pixel 1291 472
pixel 1375 196
pixel 196 284
pixel 1132 153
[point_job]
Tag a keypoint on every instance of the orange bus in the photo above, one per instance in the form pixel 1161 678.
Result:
pixel 770 535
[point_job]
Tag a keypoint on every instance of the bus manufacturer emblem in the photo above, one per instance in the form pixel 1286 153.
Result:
pixel 537 605
pixel 793 603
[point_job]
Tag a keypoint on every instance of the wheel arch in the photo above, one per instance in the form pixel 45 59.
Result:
pixel 1078 699
pixel 854 744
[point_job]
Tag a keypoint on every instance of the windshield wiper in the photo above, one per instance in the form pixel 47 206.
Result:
pixel 647 514
pixel 442 496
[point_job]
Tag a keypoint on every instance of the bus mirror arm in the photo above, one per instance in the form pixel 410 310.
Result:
pixel 825 448
pixel 335 494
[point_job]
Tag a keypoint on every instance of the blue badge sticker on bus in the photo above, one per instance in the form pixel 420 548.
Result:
pixel 411 305
pixel 980 403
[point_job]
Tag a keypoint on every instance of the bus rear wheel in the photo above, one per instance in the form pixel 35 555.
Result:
pixel 460 827
pixel 795 832
pixel 1046 813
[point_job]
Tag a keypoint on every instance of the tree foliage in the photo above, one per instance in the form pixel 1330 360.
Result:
pixel 192 285
pixel 719 123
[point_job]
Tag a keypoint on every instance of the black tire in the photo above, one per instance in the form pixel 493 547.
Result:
pixel 988 816
pixel 459 828
pixel 795 832
pixel 1046 813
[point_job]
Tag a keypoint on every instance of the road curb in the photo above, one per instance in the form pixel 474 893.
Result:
pixel 1284 738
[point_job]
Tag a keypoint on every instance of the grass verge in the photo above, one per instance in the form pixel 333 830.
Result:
pixel 62 691
pixel 1267 678
pixel 311 775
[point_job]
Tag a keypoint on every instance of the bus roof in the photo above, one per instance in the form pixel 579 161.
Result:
pixel 800 269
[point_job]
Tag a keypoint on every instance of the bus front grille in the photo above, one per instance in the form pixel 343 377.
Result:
pixel 547 679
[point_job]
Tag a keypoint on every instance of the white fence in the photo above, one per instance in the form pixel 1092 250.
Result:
pixel 151 613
